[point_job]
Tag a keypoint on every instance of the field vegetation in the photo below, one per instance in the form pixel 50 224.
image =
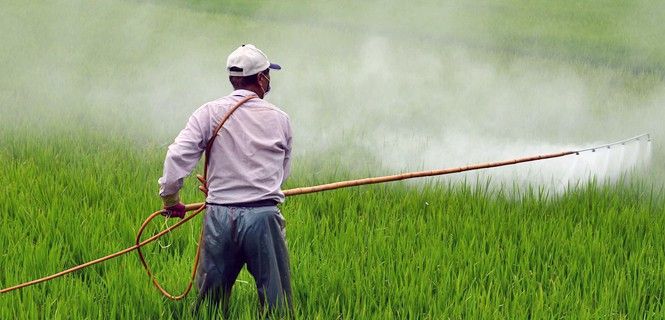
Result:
pixel 91 95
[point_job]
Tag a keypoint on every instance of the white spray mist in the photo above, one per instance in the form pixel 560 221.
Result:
pixel 381 94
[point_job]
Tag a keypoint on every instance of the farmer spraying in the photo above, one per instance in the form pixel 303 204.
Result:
pixel 247 160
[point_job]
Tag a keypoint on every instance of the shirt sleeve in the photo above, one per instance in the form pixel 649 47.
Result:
pixel 183 154
pixel 287 154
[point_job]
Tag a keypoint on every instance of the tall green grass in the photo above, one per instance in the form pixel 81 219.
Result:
pixel 386 251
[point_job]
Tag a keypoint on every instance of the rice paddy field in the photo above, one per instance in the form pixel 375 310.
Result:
pixel 92 93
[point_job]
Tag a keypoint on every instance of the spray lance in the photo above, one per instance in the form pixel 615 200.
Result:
pixel 197 208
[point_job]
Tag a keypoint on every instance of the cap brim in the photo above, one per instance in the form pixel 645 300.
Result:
pixel 275 66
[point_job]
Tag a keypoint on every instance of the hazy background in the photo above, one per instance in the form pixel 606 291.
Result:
pixel 372 88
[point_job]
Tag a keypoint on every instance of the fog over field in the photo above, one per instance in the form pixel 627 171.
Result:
pixel 375 90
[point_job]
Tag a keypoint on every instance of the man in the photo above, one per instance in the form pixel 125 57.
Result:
pixel 249 160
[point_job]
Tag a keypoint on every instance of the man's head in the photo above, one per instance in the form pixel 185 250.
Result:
pixel 249 69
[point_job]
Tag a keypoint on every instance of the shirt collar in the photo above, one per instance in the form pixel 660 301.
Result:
pixel 242 93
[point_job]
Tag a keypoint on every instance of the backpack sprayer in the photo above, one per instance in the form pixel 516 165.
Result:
pixel 199 207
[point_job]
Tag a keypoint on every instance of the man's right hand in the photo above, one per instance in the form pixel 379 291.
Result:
pixel 204 184
pixel 175 211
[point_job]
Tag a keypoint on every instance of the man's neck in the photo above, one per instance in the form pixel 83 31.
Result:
pixel 254 89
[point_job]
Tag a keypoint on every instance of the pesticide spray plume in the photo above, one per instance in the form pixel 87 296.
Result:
pixel 602 163
pixel 609 162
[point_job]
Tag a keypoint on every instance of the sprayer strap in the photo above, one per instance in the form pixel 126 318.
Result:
pixel 219 127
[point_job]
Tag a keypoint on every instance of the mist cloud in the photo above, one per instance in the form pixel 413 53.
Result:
pixel 428 90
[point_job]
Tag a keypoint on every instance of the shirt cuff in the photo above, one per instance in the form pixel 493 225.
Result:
pixel 171 200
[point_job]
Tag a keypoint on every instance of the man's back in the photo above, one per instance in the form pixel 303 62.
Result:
pixel 250 157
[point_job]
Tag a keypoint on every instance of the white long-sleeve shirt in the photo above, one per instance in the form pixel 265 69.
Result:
pixel 250 158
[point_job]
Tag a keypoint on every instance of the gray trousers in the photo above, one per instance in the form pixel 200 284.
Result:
pixel 235 236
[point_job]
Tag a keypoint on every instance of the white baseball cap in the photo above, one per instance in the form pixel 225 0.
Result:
pixel 248 60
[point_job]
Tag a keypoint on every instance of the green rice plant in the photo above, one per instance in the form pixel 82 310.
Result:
pixel 394 250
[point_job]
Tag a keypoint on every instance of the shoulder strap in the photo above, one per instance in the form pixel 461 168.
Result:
pixel 214 135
